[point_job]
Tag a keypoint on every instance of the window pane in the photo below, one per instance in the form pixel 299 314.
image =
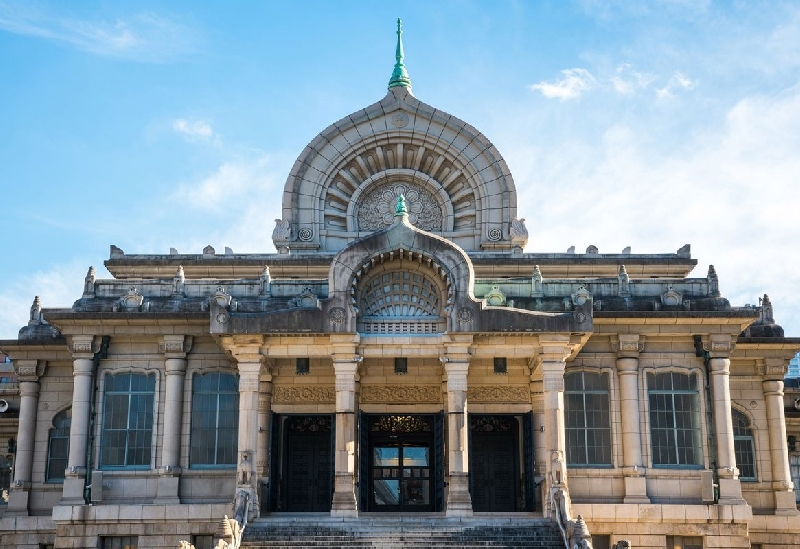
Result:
pixel 674 419
pixel 127 434
pixel 587 418
pixel 215 419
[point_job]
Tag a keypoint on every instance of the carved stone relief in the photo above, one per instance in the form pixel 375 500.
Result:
pixel 376 209
pixel 401 393
pixel 499 393
pixel 304 394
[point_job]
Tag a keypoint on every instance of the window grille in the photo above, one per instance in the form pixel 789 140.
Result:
pixel 675 431
pixel 500 365
pixel 58 446
pixel 400 302
pixel 400 365
pixel 215 420
pixel 119 542
pixel 587 418
pixel 744 446
pixel 127 435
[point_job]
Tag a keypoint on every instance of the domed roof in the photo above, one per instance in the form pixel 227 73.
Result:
pixel 345 183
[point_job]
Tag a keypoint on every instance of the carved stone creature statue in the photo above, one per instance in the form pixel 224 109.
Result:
pixel 185 545
pixel 282 231
pixel 557 469
pixel 518 232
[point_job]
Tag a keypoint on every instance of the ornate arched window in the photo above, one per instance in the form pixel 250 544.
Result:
pixel 401 301
pixel 744 445
pixel 58 446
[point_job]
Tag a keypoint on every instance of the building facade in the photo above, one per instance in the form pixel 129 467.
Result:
pixel 401 353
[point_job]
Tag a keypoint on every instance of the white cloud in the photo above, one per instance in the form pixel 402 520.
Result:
pixel 677 81
pixel 193 129
pixel 242 179
pixel 627 80
pixel 145 37
pixel 571 85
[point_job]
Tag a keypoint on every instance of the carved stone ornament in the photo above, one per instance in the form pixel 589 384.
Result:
pixel 222 298
pixel 399 120
pixel 306 298
pixel 627 344
pixel 579 316
pixel 670 297
pixel 282 231
pixel 300 393
pixel 518 232
pixel 581 296
pixel 401 393
pixel 337 315
pixel 376 208
pixel 176 344
pixel 499 393
pixel 465 315
pixel 495 297
pixel 82 346
pixel 131 300
pixel 554 384
pixel 305 234
pixel 494 234
pixel 29 368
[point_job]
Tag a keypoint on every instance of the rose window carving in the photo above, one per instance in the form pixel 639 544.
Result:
pixel 376 209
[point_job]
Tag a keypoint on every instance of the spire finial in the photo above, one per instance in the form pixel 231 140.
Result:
pixel 401 209
pixel 399 74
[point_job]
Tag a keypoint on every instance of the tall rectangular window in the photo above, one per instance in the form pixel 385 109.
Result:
pixel 675 432
pixel 127 435
pixel 587 418
pixel 215 420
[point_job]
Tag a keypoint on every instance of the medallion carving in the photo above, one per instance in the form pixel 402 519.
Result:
pixel 376 208
pixel 499 393
pixel 401 393
pixel 304 394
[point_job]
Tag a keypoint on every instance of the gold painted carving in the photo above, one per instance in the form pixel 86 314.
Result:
pixel 401 393
pixel 499 393
pixel 301 393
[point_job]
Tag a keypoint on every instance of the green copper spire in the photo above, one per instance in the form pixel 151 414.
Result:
pixel 401 209
pixel 399 74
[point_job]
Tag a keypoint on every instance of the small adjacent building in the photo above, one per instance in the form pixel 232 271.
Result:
pixel 402 353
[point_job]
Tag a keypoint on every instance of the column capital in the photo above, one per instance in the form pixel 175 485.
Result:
pixel 718 345
pixel 627 365
pixel 83 346
pixel 627 345
pixel 29 388
pixel 175 346
pixel 29 370
pixel 773 387
pixel 773 369
pixel 555 348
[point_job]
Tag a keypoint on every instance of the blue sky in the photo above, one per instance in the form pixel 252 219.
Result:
pixel 152 125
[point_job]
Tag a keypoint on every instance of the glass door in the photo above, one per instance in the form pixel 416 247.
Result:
pixel 401 476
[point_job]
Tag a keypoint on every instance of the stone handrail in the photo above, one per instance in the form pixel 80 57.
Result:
pixel 229 534
pixel 574 532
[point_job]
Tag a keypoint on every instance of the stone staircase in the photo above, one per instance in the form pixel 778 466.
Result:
pixel 405 532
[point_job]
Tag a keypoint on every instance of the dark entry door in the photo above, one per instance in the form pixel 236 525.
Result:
pixel 493 470
pixel 308 472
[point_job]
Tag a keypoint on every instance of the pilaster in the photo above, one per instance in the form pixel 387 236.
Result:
pixel 456 367
pixel 345 365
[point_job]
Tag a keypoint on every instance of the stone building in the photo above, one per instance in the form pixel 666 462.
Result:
pixel 401 353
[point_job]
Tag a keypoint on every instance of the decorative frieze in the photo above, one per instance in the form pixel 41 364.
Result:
pixel 302 393
pixel 401 393
pixel 499 393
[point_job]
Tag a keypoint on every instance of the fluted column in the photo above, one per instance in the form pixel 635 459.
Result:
pixel 554 351
pixel 82 373
pixel 345 366
pixel 174 348
pixel 456 367
pixel 28 372
pixel 628 347
pixel 782 486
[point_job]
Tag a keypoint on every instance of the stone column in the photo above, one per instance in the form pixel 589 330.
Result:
pixel 28 372
pixel 246 349
pixel 174 348
pixel 264 432
pixel 456 367
pixel 782 486
pixel 345 366
pixel 554 351
pixel 82 372
pixel 719 347
pixel 628 347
